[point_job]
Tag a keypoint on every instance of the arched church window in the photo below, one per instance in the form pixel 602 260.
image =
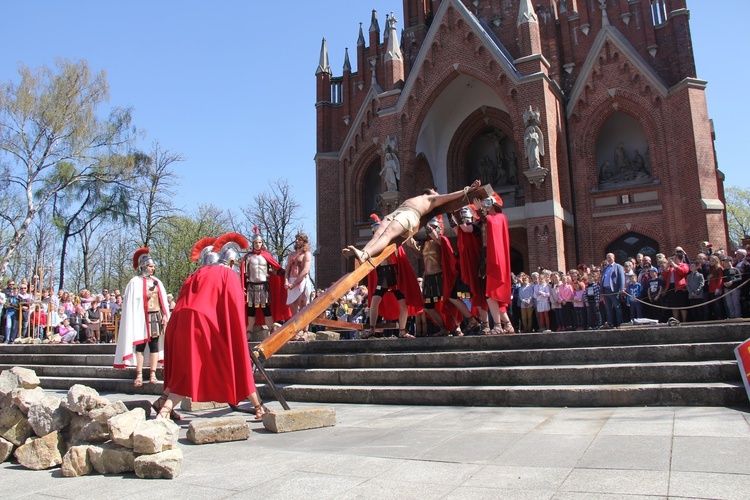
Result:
pixel 492 159
pixel 658 12
pixel 371 191
pixel 622 153
pixel 631 244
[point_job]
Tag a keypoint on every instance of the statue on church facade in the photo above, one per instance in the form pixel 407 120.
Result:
pixel 533 139
pixel 391 171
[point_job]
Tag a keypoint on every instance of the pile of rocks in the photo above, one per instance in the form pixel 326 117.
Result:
pixel 83 432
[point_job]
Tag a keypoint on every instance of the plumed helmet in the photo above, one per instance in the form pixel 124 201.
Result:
pixel 467 212
pixel 141 259
pixel 228 247
pixel 375 221
pixel 203 251
pixel 435 224
pixel 256 235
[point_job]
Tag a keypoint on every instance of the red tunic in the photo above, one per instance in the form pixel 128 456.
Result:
pixel 498 259
pixel 450 313
pixel 407 283
pixel 206 351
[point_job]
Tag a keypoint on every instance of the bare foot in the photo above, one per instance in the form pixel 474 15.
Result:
pixel 347 252
pixel 357 253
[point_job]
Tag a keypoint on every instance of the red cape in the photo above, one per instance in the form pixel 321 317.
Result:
pixel 279 310
pixel 407 283
pixel 450 313
pixel 469 251
pixel 498 259
pixel 205 348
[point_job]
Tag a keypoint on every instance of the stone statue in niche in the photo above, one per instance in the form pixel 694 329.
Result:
pixel 491 159
pixel 391 171
pixel 533 139
pixel 622 163
pixel 512 168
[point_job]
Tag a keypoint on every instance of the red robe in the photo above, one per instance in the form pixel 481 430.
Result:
pixel 406 282
pixel 206 351
pixel 469 251
pixel 450 313
pixel 279 310
pixel 498 259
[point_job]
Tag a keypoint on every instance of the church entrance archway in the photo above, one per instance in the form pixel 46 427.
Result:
pixel 632 243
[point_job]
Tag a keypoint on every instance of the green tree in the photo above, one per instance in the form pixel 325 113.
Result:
pixel 51 137
pixel 738 213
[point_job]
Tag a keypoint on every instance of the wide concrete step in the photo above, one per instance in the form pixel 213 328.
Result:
pixel 620 373
pixel 510 357
pixel 119 385
pixel 80 359
pixel 708 394
pixel 82 371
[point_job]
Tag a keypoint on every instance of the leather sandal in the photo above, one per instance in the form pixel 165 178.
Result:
pixel 508 328
pixel 152 379
pixel 485 329
pixel 260 410
pixel 138 382
pixel 366 334
pixel 403 334
pixel 165 411
pixel 158 405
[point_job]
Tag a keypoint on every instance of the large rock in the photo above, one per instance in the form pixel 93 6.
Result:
pixel 47 415
pixel 41 453
pixel 84 429
pixel 26 398
pixel 13 426
pixel 17 377
pixel 6 448
pixel 300 419
pixel 110 458
pixel 218 430
pixel 164 465
pixel 155 436
pixel 122 426
pixel 82 399
pixel 76 462
pixel 102 415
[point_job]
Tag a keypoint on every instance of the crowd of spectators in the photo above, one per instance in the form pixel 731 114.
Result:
pixel 28 311
pixel 708 286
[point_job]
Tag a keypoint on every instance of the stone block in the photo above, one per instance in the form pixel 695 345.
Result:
pixel 155 436
pixel 326 335
pixel 145 404
pixel 6 448
pixel 48 415
pixel 84 429
pixel 110 458
pixel 17 377
pixel 82 399
pixel 218 430
pixel 39 453
pixel 76 462
pixel 300 419
pixel 164 465
pixel 25 398
pixel 122 426
pixel 102 415
pixel 13 426
pixel 188 404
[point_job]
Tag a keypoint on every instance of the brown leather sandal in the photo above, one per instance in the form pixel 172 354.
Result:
pixel 260 410
pixel 403 334
pixel 158 405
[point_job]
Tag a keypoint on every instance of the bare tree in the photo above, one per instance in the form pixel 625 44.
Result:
pixel 278 217
pixel 155 192
pixel 51 138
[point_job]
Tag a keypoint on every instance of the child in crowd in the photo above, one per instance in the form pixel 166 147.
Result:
pixel 593 297
pixel 579 304
pixel 556 302
pixel 38 322
pixel 542 297
pixel 526 301
pixel 68 333
pixel 655 291
pixel 635 290
pixel 566 299
pixel 695 283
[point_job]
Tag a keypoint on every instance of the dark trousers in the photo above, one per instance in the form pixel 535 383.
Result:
pixel 614 308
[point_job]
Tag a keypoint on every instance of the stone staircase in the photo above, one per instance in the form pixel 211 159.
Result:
pixel 648 366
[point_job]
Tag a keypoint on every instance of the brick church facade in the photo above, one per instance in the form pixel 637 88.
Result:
pixel 586 116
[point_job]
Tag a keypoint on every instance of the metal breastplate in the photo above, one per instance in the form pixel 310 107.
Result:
pixel 256 268
pixel 431 255
pixel 152 291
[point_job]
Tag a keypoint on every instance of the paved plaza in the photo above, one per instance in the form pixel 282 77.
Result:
pixel 448 452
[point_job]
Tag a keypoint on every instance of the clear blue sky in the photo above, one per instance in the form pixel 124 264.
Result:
pixel 230 84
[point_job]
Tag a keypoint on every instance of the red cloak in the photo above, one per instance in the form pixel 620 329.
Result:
pixel 450 313
pixel 406 282
pixel 279 310
pixel 206 351
pixel 469 251
pixel 498 259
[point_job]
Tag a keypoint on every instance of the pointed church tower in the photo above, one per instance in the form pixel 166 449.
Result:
pixel 530 41
pixel 394 60
pixel 323 100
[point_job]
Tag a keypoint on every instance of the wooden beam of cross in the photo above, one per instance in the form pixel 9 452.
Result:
pixel 269 346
